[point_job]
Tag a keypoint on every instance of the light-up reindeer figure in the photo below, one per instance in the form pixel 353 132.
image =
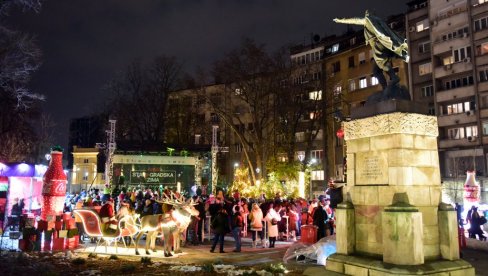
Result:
pixel 171 224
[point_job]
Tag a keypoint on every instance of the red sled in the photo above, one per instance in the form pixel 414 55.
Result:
pixel 58 225
pixel 58 244
pixel 70 243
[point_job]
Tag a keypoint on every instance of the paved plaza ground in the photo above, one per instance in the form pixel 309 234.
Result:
pixel 195 260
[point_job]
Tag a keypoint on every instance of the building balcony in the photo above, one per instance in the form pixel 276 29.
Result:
pixel 479 9
pixel 454 119
pixel 457 93
pixel 455 68
pixel 483 86
pixel 451 143
pixel 442 46
pixel 480 34
pixel 484 113
pixel 445 23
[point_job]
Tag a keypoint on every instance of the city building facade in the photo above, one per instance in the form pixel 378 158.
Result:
pixel 448 72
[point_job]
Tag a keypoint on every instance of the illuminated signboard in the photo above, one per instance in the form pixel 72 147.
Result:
pixel 153 177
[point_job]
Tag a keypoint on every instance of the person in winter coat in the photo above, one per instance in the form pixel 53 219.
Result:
pixel 319 218
pixel 272 219
pixel 237 224
pixel 256 218
pixel 476 222
pixel 292 221
pixel 220 227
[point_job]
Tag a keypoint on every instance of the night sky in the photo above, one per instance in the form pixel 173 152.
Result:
pixel 86 43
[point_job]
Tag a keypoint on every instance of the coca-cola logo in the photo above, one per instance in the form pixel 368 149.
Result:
pixel 54 188
pixel 59 188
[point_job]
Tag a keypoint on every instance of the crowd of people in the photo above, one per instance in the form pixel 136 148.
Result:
pixel 267 220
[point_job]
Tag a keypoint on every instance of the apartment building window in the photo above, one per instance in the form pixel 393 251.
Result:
pixel 480 24
pixel 85 160
pixel 363 83
pixel 238 147
pixel 300 136
pixel 455 108
pixel 483 73
pixel 471 131
pixel 317 155
pixel 300 155
pixel 336 66
pixel 351 62
pixel 425 68
pixel 313 115
pixel 479 2
pixel 352 41
pixel 374 80
pixel 337 90
pixel 85 177
pixel 427 91
pixel 316 76
pixel 456 133
pixel 315 95
pixel 317 175
pixel 352 85
pixel 431 109
pixel 422 25
pixel 362 58
pixel 461 32
pixel 458 82
pixel 197 139
pixel 462 54
pixel 482 49
pixel 484 125
pixel 334 48
pixel 448 60
pixel 484 101
pixel 424 47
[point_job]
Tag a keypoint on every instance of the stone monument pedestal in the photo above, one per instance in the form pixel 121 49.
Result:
pixel 392 222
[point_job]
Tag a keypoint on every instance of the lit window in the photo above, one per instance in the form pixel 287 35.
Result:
pixel 482 49
pixel 456 133
pixel 485 127
pixel 422 25
pixel 362 58
pixel 471 131
pixel 315 95
pixel 352 85
pixel 335 48
pixel 363 83
pixel 425 69
pixel 317 175
pixel 374 80
pixel 337 90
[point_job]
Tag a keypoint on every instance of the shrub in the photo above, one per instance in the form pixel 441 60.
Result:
pixel 146 260
pixel 113 257
pixel 78 261
pixel 128 268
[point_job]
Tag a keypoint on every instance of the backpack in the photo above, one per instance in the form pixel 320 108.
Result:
pixel 482 220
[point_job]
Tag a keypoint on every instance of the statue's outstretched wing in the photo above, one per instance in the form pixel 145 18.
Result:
pixel 354 21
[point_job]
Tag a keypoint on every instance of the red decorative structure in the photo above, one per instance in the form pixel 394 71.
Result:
pixel 471 188
pixel 54 187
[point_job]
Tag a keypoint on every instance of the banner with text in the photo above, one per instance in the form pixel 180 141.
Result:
pixel 152 177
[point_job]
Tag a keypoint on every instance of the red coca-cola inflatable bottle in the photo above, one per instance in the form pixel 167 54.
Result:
pixel 54 186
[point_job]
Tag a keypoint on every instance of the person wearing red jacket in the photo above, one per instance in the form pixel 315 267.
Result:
pixel 107 215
